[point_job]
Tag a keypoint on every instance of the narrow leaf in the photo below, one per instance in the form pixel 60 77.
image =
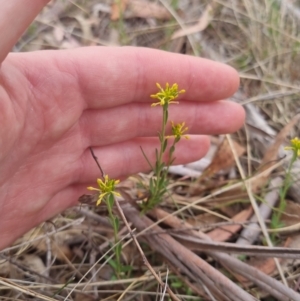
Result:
pixel 146 158
pixel 165 145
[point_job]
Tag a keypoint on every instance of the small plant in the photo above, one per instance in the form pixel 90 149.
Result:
pixel 106 193
pixel 158 183
pixel 177 284
pixel 106 189
pixel 275 221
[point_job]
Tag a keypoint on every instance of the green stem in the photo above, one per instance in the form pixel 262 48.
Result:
pixel 115 225
pixel 283 193
pixel 162 141
pixel 287 180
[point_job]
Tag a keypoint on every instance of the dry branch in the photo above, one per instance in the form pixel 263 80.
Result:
pixel 265 282
pixel 198 270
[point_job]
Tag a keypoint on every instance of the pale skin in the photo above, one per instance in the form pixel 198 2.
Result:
pixel 57 104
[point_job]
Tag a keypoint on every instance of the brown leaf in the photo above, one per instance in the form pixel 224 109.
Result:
pixel 272 152
pixel 203 221
pixel 223 158
pixel 291 214
pixel 270 157
pixel 117 9
pixel 34 263
pixel 145 9
pixel 225 233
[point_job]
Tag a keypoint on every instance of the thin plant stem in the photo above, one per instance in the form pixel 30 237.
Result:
pixel 162 139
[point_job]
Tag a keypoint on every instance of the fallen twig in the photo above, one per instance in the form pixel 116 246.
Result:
pixel 189 263
pixel 267 283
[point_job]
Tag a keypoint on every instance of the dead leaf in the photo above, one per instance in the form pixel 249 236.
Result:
pixel 34 263
pixel 291 214
pixel 203 22
pixel 223 158
pixel 271 155
pixel 117 9
pixel 203 221
pixel 272 152
pixel 225 233
pixel 145 9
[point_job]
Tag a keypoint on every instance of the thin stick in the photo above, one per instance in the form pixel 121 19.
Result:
pixel 97 162
pixel 146 262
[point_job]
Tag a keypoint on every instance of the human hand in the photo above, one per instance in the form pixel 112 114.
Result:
pixel 56 104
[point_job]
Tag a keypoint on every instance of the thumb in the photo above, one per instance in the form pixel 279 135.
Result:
pixel 15 17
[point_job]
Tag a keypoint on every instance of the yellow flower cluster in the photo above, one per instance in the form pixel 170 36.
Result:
pixel 295 146
pixel 106 187
pixel 167 95
pixel 178 130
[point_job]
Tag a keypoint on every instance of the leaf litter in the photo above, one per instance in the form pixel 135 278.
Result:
pixel 211 205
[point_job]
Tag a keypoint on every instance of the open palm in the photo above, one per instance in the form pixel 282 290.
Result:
pixel 56 104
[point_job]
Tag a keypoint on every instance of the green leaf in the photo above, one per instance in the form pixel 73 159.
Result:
pixel 146 158
pixel 156 154
pixel 113 263
pixel 151 184
pixel 160 137
pixel 172 161
pixel 172 149
pixel 118 249
pixel 162 165
pixel 111 219
pixel 161 182
pixel 165 145
pixel 161 194
pixel 117 222
pixel 157 167
pixel 126 268
pixel 111 200
pixel 177 284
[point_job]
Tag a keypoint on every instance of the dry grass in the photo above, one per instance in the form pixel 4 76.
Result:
pixel 71 257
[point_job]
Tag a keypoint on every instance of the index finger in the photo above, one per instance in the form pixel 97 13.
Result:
pixel 110 76
pixel 129 75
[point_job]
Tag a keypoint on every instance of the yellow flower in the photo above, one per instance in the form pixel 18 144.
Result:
pixel 167 95
pixel 178 130
pixel 106 188
pixel 295 146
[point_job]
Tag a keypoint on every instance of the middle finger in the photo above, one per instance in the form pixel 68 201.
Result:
pixel 108 126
